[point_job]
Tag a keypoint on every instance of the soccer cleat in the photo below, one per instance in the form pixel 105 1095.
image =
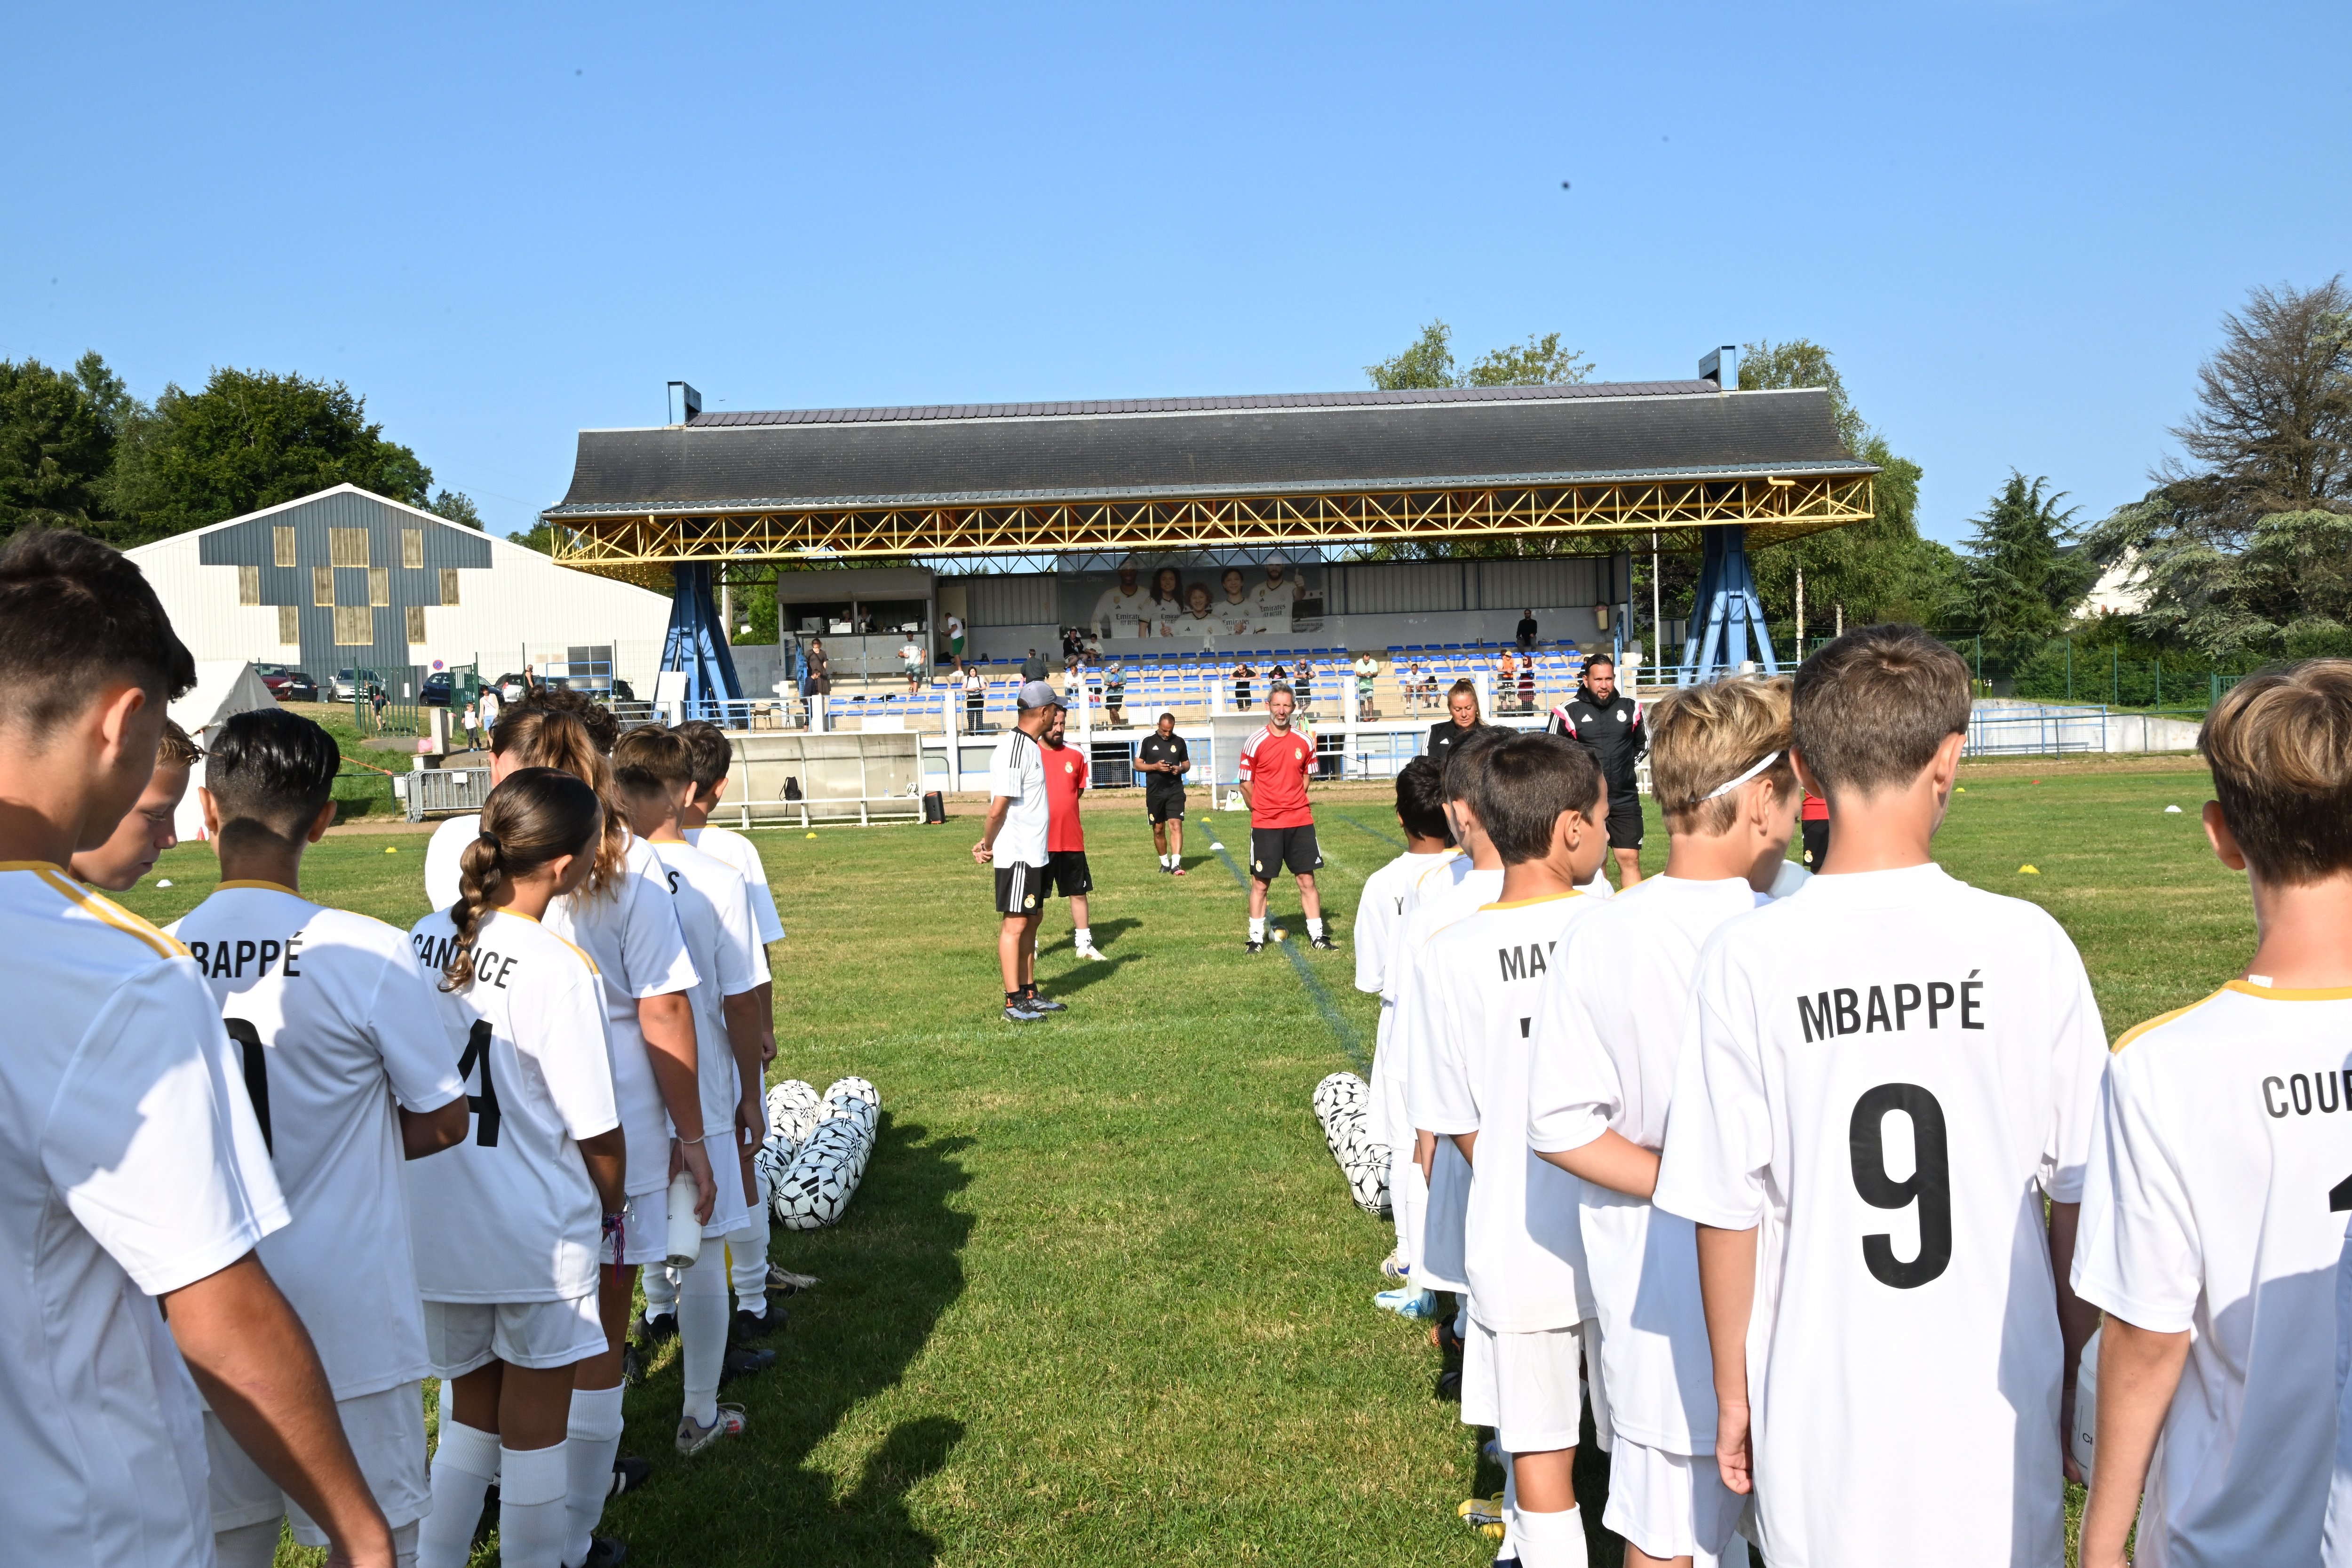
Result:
pixel 1392 1269
pixel 630 1474
pixel 1407 1302
pixel 747 1327
pixel 1256 946
pixel 605 1552
pixel 742 1361
pixel 692 1440
pixel 1037 1003
pixel 653 1328
pixel 1088 952
pixel 633 1366
pixel 1020 1014
pixel 1449 1386
pixel 1180 871
pixel 788 1283
pixel 1483 1513
pixel 1324 942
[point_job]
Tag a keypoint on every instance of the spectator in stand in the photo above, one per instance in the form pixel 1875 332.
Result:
pixel 911 658
pixel 1527 684
pixel 1242 676
pixel 818 682
pixel 1033 667
pixel 1526 630
pixel 1368 669
pixel 1114 687
pixel 975 697
pixel 1507 682
pixel 1462 709
pixel 955 638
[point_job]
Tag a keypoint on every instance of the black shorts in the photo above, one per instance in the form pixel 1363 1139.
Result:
pixel 1066 875
pixel 1164 806
pixel 1625 821
pixel 1272 849
pixel 1020 888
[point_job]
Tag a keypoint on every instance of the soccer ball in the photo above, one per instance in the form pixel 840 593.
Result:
pixel 1340 1103
pixel 812 1189
pixel 792 1108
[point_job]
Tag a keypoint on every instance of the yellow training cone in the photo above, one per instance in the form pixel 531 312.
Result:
pixel 391 849
pixel 812 835
pixel 1959 789
pixel 2029 870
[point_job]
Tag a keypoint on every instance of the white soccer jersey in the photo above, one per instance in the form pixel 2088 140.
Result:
pixel 1477 982
pixel 1388 894
pixel 738 850
pixel 442 852
pixel 631 933
pixel 130 1166
pixel 509 1214
pixel 1439 1265
pixel 1887 1065
pixel 715 910
pixel 1608 1036
pixel 2214 1203
pixel 1120 614
pixel 1275 603
pixel 333 1022
pixel 1016 772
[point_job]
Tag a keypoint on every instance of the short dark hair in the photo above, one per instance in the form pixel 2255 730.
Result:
pixel 75 615
pixel 649 758
pixel 1528 783
pixel 1870 709
pixel 708 751
pixel 1464 759
pixel 1598 659
pixel 2280 745
pixel 1421 800
pixel 269 774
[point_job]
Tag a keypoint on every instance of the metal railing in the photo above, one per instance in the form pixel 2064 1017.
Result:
pixel 442 791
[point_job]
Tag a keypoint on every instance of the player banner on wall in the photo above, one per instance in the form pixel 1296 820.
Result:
pixel 1179 598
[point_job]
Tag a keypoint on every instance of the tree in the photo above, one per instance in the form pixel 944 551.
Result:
pixel 2022 585
pixel 56 442
pixel 539 537
pixel 2246 542
pixel 1428 361
pixel 458 508
pixel 252 439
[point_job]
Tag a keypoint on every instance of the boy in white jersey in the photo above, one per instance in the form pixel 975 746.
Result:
pixel 710 754
pixel 132 1172
pixel 509 1225
pixel 351 1068
pixel 148 827
pixel 1608 1036
pixel 655 775
pixel 1890 1071
pixel 1542 804
pixel 2223 1127
pixel 1389 895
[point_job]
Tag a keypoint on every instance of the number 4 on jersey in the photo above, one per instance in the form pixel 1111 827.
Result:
pixel 485 1104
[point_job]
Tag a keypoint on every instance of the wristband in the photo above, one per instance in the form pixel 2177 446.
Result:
pixel 693 1139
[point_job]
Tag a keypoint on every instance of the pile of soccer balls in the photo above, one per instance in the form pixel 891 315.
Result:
pixel 1341 1102
pixel 817 1150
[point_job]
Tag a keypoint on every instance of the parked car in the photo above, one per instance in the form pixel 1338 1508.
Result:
pixel 287 685
pixel 512 687
pixel 435 692
pixel 345 688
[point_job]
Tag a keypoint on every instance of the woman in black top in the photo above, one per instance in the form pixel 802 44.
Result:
pixel 1462 704
pixel 1242 676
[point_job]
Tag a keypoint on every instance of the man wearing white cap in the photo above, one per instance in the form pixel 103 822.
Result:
pixel 1014 841
pixel 1125 608
pixel 1274 596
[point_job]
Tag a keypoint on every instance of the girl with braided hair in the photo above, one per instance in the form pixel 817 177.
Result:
pixel 508 1225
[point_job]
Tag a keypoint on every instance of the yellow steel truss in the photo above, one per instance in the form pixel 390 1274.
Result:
pixel 1571 519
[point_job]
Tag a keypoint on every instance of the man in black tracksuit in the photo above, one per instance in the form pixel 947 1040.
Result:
pixel 1608 723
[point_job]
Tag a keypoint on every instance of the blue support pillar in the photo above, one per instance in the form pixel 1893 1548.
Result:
pixel 1726 612
pixel 697 643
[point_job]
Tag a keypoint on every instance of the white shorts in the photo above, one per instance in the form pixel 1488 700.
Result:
pixel 461 1336
pixel 1528 1387
pixel 387 1436
pixel 644 1229
pixel 730 1213
pixel 1671 1505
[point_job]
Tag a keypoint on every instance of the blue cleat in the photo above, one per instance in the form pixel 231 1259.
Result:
pixel 1407 1302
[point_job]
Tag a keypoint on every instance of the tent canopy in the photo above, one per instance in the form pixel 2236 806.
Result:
pixel 223 686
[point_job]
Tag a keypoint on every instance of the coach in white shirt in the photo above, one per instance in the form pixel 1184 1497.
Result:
pixel 1014 841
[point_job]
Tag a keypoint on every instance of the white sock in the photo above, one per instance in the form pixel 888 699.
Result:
pixel 531 1483
pixel 748 1250
pixel 1552 1540
pixel 1313 927
pixel 702 1333
pixel 464 1465
pixel 403 1544
pixel 591 1439
pixel 1086 938
pixel 248 1545
pixel 661 1290
pixel 1257 927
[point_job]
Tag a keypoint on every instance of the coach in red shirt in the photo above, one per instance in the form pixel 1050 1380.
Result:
pixel 1067 872
pixel 1274 764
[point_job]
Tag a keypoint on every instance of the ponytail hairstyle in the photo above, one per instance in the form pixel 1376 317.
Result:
pixel 537 816
pixel 541 735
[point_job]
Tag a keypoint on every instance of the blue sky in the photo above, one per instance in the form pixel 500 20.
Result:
pixel 2015 223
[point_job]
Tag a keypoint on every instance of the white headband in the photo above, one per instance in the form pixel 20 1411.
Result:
pixel 1766 760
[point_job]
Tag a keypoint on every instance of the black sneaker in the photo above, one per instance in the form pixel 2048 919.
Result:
pixel 1036 1002
pixel 742 1360
pixel 1257 947
pixel 747 1328
pixel 633 1366
pixel 630 1474
pixel 1324 942
pixel 605 1552
pixel 1019 1012
pixel 653 1328
pixel 1449 1386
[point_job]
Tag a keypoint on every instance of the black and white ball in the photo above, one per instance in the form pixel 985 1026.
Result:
pixel 814 1189
pixel 1341 1103
pixel 792 1108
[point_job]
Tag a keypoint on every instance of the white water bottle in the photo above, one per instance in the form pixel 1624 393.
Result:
pixel 685 1230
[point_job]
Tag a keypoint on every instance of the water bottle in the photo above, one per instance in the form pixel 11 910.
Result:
pixel 685 1230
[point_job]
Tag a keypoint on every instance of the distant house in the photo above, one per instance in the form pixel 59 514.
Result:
pixel 344 579
pixel 2122 590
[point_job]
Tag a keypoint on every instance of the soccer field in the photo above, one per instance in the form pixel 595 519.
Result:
pixel 1102 1297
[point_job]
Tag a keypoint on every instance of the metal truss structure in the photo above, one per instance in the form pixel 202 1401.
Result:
pixel 1569 519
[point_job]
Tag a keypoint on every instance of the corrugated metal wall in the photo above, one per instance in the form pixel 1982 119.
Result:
pixel 1426 587
pixel 1033 600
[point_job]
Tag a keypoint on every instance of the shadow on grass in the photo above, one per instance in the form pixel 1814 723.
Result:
pixel 888 1271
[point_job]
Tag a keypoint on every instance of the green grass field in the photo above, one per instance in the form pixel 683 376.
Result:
pixel 1102 1297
